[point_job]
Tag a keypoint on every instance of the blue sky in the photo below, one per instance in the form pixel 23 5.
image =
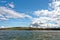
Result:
pixel 31 5
pixel 26 7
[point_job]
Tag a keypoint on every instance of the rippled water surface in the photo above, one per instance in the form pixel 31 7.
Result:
pixel 29 35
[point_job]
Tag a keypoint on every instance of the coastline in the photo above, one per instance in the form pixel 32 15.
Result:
pixel 28 28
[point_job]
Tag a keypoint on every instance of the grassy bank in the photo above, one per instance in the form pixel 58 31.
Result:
pixel 28 28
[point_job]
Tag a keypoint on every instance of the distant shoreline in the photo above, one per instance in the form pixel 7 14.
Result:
pixel 28 28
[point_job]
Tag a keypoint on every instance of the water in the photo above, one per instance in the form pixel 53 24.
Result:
pixel 29 35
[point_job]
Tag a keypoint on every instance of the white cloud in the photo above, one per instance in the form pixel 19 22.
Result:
pixel 3 19
pixel 11 5
pixel 2 27
pixel 8 13
pixel 46 16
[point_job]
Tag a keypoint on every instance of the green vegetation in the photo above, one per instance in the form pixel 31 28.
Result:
pixel 28 28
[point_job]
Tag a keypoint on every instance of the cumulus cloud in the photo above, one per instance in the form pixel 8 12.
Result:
pixel 8 13
pixel 46 18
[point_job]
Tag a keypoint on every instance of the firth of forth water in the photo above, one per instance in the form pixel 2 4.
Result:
pixel 29 34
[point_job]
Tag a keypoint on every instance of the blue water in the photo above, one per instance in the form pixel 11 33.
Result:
pixel 29 35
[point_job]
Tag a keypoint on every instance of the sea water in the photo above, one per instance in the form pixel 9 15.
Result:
pixel 29 34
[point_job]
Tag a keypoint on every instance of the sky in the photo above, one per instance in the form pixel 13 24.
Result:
pixel 23 13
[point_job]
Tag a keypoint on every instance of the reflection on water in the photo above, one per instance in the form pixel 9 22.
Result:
pixel 29 35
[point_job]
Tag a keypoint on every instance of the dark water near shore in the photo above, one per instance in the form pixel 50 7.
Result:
pixel 29 35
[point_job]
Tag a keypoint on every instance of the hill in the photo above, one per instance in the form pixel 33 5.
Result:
pixel 28 28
